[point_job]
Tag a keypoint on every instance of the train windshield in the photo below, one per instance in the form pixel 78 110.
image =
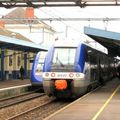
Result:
pixel 40 62
pixel 64 56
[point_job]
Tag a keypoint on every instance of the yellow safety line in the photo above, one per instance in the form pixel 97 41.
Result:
pixel 103 107
pixel 50 116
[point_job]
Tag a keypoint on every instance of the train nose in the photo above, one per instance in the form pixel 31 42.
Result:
pixel 61 84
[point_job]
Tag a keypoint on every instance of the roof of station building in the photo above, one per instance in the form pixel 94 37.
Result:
pixel 19 44
pixel 9 33
pixel 18 16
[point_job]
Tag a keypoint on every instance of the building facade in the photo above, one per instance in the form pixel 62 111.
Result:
pixel 37 31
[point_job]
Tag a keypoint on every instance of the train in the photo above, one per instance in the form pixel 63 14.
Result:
pixel 72 69
pixel 37 69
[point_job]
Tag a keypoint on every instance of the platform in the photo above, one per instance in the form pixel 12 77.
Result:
pixel 101 104
pixel 13 83
pixel 14 87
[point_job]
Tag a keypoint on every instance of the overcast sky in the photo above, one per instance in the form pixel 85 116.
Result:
pixel 73 12
pixel 75 28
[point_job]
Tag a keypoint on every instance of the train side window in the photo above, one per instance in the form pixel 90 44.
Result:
pixel 88 55
pixel 93 64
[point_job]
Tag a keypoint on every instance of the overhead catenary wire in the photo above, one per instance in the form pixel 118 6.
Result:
pixel 53 16
pixel 65 19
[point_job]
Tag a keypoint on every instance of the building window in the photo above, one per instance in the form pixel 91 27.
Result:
pixel 10 60
pixel 18 61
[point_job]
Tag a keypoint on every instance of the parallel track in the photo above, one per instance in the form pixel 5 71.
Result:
pixel 41 111
pixel 6 102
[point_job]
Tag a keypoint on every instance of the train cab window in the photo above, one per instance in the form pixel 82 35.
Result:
pixel 40 63
pixel 64 56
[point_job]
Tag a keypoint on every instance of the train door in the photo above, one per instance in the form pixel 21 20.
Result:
pixel 98 67
pixel 99 70
pixel 93 66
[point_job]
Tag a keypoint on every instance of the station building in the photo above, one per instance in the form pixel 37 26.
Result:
pixel 29 26
pixel 14 58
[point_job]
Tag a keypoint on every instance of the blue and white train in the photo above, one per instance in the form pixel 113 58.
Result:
pixel 37 69
pixel 72 69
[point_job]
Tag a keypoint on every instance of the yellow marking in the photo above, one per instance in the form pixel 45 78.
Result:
pixel 103 107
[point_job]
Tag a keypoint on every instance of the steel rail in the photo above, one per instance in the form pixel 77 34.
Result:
pixel 31 110
pixel 5 102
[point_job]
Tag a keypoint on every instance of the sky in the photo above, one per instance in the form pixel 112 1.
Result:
pixel 74 29
pixel 73 12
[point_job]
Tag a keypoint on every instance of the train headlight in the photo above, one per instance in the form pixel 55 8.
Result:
pixel 52 74
pixel 46 74
pixel 77 75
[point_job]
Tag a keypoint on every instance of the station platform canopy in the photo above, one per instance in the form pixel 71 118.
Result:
pixel 19 45
pixel 110 40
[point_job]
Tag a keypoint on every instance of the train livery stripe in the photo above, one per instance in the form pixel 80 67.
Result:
pixel 63 75
pixel 106 103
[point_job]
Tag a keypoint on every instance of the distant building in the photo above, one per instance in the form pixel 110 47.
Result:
pixel 15 25
pixel 35 30
pixel 13 60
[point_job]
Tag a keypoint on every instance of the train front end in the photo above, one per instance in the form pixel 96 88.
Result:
pixel 37 69
pixel 62 75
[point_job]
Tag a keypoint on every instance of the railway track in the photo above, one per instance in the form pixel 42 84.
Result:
pixel 41 111
pixel 6 102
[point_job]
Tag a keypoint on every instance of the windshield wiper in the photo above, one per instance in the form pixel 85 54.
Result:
pixel 57 59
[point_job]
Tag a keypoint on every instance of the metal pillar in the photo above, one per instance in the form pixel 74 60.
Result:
pixel 25 64
pixel 2 65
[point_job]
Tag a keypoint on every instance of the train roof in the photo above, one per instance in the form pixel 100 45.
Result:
pixel 70 43
pixel 67 43
pixel 74 43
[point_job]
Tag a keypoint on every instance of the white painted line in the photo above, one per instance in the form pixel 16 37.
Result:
pixel 3 89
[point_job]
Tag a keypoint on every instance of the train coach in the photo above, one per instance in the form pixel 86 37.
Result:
pixel 37 69
pixel 73 68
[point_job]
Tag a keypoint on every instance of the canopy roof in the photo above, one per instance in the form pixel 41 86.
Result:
pixel 42 3
pixel 20 45
pixel 110 40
